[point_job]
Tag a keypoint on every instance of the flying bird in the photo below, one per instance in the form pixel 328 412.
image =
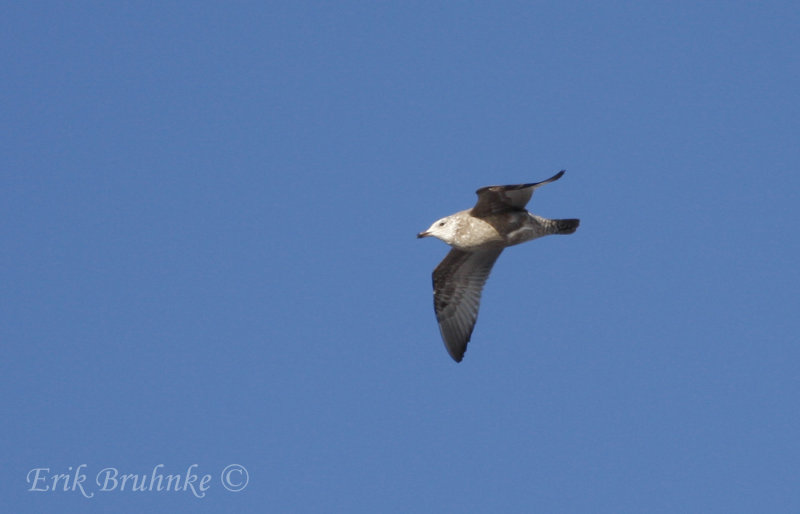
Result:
pixel 477 237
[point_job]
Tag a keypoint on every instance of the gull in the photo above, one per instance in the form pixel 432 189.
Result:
pixel 477 236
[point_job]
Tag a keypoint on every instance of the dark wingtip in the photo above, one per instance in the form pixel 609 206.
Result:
pixel 543 182
pixel 457 353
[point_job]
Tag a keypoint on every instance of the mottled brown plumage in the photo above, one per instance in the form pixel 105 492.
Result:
pixel 478 236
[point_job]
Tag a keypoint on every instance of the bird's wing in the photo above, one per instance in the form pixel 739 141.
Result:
pixel 495 199
pixel 457 284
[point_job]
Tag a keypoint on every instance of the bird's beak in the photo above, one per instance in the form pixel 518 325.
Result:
pixel 423 234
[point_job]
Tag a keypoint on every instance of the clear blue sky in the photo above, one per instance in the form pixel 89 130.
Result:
pixel 208 213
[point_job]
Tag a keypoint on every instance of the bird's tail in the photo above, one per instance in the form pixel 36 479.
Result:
pixel 563 226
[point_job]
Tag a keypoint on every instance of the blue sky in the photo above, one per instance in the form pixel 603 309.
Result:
pixel 208 254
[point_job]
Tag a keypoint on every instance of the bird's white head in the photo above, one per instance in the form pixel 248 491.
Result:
pixel 444 229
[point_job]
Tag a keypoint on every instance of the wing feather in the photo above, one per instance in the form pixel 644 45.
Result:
pixel 496 199
pixel 457 285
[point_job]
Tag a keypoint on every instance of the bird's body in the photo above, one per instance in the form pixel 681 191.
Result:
pixel 478 236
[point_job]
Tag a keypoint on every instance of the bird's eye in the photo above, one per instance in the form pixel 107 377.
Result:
pixel 441 223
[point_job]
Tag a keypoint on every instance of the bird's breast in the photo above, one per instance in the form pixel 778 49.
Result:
pixel 477 233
